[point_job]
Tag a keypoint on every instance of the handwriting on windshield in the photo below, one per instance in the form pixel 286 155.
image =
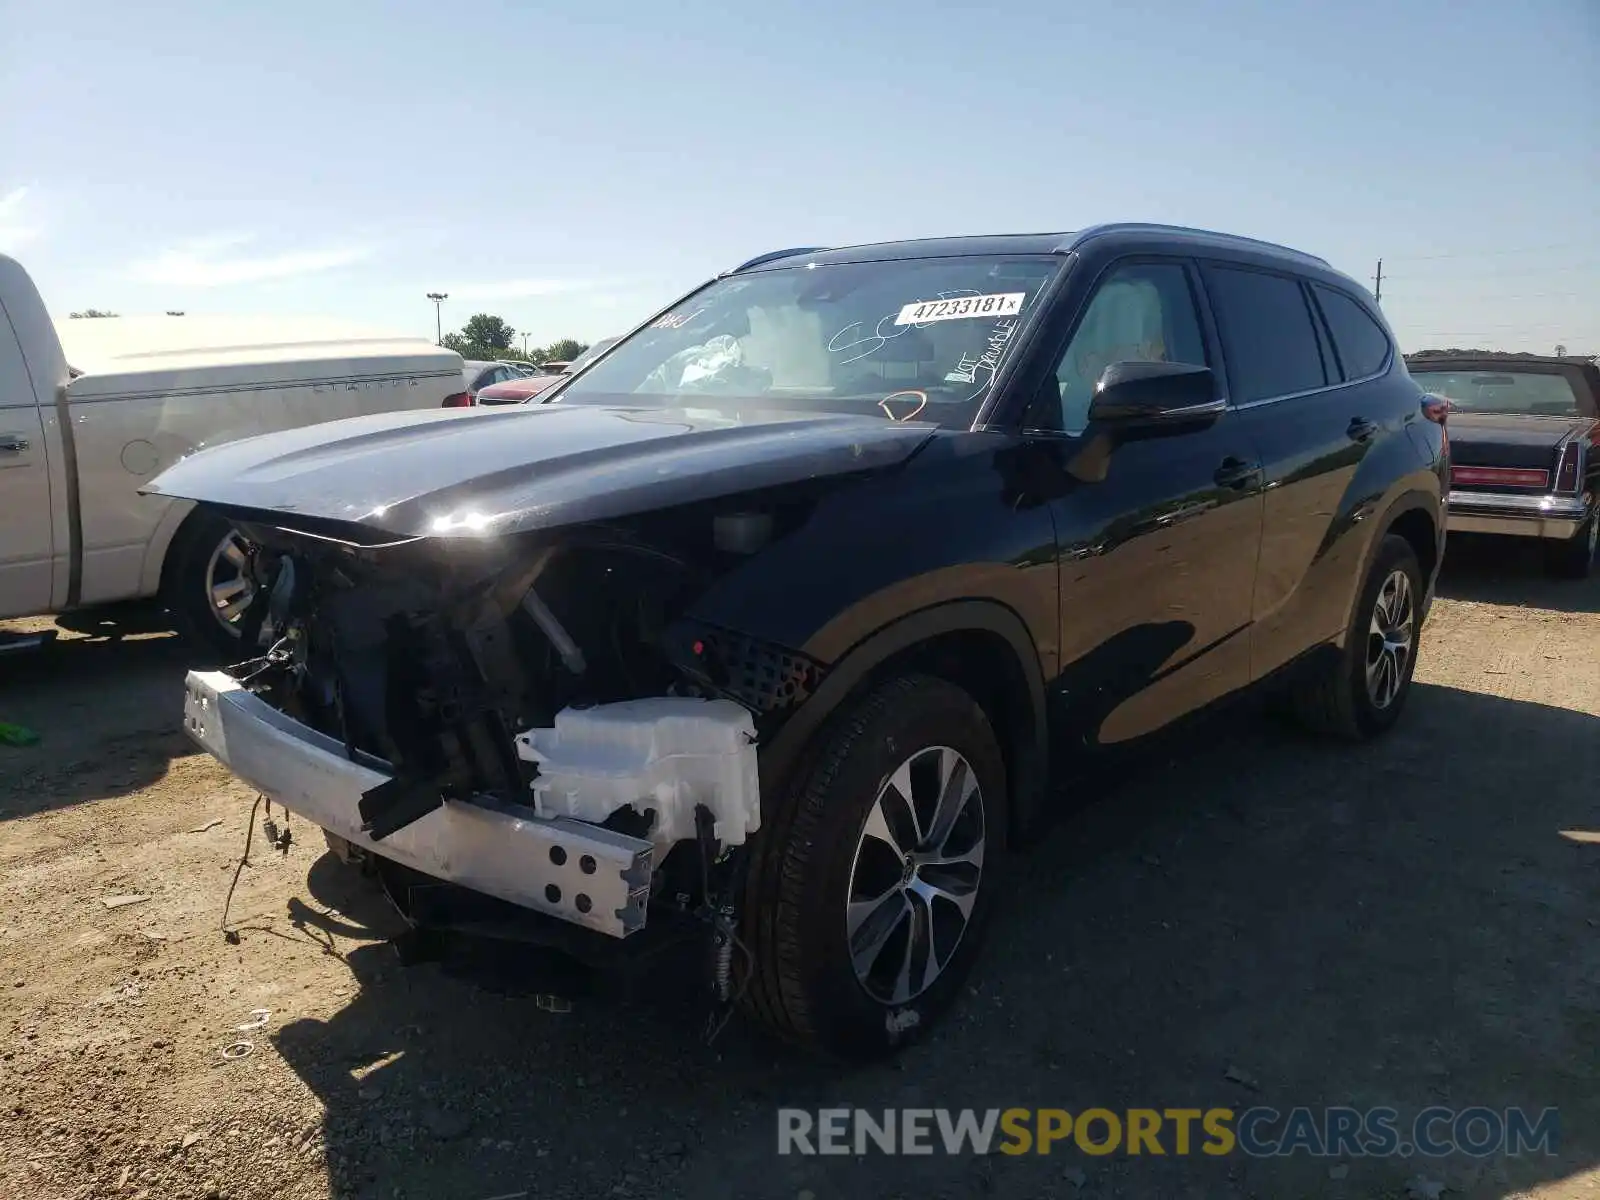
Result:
pixel 675 320
pixel 982 366
pixel 878 339
pixel 874 341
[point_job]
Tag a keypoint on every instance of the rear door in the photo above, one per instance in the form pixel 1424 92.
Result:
pixel 1312 421
pixel 26 541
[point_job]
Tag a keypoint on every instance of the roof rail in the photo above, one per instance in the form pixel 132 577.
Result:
pixel 1152 227
pixel 773 256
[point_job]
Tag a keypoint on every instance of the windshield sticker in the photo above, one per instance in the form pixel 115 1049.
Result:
pixel 878 339
pixel 996 304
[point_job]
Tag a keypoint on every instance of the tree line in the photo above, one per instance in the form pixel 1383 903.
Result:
pixel 486 336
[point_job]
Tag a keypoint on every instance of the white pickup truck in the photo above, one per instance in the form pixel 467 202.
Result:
pixel 82 428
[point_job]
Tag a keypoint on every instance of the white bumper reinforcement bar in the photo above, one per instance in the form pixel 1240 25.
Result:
pixel 571 869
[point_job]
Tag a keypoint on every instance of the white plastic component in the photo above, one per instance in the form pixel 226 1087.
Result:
pixel 667 753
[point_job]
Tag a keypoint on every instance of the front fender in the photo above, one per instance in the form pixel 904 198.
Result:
pixel 850 670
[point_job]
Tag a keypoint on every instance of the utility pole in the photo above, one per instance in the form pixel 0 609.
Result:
pixel 1377 283
pixel 524 346
pixel 438 299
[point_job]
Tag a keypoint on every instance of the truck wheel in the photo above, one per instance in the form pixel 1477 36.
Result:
pixel 207 585
pixel 1574 558
pixel 1360 692
pixel 871 889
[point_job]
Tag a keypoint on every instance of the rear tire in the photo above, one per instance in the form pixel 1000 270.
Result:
pixel 828 862
pixel 1574 558
pixel 1359 692
pixel 207 588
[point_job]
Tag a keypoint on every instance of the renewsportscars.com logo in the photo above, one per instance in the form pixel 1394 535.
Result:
pixel 1259 1132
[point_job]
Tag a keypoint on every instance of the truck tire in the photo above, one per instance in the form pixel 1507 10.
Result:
pixel 1360 692
pixel 1574 558
pixel 206 586
pixel 864 913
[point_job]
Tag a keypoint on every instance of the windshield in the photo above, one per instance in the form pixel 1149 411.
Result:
pixel 906 339
pixel 594 351
pixel 1502 392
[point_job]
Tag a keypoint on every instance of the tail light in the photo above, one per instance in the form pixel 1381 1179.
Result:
pixel 1500 476
pixel 1567 468
pixel 459 400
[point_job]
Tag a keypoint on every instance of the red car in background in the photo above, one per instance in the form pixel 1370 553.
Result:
pixel 516 391
pixel 520 391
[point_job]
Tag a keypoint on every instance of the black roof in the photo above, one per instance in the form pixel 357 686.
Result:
pixel 1026 243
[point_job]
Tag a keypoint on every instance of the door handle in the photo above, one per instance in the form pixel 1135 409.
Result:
pixel 1236 473
pixel 13 444
pixel 1360 429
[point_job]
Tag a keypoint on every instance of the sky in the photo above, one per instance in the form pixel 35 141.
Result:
pixel 573 167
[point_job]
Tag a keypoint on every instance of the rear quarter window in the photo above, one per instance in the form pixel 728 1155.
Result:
pixel 1267 334
pixel 1359 341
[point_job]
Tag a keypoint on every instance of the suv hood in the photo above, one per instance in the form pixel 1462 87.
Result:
pixel 481 472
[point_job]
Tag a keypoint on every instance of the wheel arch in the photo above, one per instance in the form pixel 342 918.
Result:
pixel 980 646
pixel 177 523
pixel 1417 525
pixel 1418 517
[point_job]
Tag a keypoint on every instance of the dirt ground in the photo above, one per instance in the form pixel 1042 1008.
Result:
pixel 1412 922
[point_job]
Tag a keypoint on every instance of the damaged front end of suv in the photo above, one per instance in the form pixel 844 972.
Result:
pixel 481 673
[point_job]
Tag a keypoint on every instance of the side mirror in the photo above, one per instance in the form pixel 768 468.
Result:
pixel 1148 395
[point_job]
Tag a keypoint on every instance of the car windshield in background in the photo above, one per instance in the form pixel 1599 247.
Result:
pixel 1502 391
pixel 906 339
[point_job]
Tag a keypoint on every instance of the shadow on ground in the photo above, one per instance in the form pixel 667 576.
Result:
pixel 1511 571
pixel 1397 924
pixel 112 738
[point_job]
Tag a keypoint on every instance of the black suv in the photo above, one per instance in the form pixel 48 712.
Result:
pixel 771 623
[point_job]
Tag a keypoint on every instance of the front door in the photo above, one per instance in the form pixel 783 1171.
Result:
pixel 26 543
pixel 1158 536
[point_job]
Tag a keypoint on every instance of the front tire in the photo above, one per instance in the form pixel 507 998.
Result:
pixel 1574 558
pixel 1361 691
pixel 208 586
pixel 871 890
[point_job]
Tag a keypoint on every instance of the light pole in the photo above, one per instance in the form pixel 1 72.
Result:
pixel 524 347
pixel 438 299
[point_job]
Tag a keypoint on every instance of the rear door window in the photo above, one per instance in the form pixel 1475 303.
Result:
pixel 1267 334
pixel 1359 341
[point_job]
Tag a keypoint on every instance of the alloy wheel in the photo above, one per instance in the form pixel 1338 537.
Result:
pixel 915 877
pixel 229 582
pixel 1389 639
